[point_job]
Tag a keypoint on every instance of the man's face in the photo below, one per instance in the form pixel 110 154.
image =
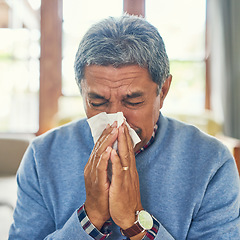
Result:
pixel 127 89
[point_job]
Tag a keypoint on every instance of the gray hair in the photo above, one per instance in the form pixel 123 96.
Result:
pixel 128 40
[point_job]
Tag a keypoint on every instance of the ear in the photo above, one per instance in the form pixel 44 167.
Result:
pixel 165 89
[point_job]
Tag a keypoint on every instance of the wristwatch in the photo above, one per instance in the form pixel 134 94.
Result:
pixel 144 222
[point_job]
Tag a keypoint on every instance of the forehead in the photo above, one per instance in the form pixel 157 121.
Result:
pixel 108 77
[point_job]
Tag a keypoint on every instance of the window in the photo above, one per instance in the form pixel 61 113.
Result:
pixel 19 66
pixel 181 23
pixel 182 26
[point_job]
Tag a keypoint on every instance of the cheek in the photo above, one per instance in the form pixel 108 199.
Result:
pixel 131 116
pixel 141 121
pixel 146 116
pixel 156 110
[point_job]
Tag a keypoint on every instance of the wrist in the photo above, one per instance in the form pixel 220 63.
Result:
pixel 144 222
pixel 139 236
pixel 95 217
pixel 130 220
pixel 90 228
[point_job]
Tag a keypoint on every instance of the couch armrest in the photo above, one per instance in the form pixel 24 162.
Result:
pixel 12 149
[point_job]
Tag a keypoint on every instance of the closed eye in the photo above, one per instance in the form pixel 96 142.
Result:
pixel 96 100
pixel 95 104
pixel 133 104
pixel 134 99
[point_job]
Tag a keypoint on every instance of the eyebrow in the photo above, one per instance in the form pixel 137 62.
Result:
pixel 135 95
pixel 95 95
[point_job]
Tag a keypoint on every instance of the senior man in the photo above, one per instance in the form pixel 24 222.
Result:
pixel 176 183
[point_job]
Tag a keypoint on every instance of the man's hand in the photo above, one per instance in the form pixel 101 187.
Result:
pixel 96 181
pixel 124 192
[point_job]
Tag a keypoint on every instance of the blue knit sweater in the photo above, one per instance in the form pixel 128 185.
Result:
pixel 188 181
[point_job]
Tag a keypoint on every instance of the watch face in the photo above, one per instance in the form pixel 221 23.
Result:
pixel 145 220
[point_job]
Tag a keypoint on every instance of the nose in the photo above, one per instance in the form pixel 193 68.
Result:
pixel 114 107
pixel 118 107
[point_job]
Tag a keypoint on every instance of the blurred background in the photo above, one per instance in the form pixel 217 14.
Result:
pixel 39 39
pixel 38 42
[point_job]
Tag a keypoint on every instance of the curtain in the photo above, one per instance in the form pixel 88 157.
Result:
pixel 223 50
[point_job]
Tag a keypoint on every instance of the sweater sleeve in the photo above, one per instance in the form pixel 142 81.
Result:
pixel 218 217
pixel 32 218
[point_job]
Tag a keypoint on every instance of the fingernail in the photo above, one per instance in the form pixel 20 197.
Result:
pixel 108 149
pixel 114 124
pixel 114 152
pixel 114 130
pixel 108 126
pixel 122 128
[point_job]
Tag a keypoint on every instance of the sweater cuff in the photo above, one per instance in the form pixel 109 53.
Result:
pixel 90 228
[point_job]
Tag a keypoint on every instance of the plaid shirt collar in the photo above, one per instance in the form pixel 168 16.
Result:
pixel 150 141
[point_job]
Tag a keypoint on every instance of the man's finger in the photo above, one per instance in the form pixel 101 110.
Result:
pixel 102 166
pixel 108 137
pixel 117 170
pixel 123 150
pixel 132 161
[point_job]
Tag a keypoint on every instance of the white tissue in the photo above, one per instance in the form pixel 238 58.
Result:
pixel 99 122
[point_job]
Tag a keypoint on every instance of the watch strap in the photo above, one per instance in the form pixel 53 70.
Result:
pixel 134 230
